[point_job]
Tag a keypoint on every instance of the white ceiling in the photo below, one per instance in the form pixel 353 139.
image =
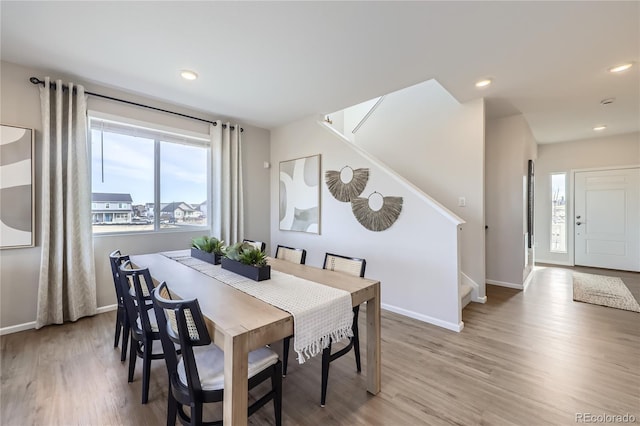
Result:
pixel 271 63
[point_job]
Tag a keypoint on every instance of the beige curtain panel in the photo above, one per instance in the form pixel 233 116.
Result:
pixel 227 200
pixel 67 286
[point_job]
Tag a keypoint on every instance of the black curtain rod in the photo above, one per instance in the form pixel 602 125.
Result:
pixel 36 80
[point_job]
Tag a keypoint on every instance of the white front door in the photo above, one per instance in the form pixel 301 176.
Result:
pixel 607 219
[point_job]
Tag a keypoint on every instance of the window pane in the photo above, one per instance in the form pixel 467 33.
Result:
pixel 558 213
pixel 183 185
pixel 121 182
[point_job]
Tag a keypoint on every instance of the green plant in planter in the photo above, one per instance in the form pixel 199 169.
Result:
pixel 253 256
pixel 247 254
pixel 246 260
pixel 208 244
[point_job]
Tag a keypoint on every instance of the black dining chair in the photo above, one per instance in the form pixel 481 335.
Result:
pixel 353 266
pixel 136 286
pixel 122 322
pixel 291 254
pixel 294 255
pixel 197 377
pixel 257 244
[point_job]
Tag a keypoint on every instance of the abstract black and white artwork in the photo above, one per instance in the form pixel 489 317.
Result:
pixel 300 194
pixel 16 187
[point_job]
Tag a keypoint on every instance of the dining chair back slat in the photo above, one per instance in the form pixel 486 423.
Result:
pixel 257 244
pixel 291 254
pixel 350 265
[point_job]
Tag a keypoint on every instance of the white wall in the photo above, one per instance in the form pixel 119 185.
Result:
pixel 606 151
pixel 429 138
pixel 416 259
pixel 509 146
pixel 19 268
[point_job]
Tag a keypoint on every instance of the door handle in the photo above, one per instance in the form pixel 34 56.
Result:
pixel 578 223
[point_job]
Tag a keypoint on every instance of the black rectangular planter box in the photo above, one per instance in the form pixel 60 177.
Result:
pixel 207 257
pixel 256 273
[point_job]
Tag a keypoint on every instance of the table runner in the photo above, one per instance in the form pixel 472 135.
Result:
pixel 319 312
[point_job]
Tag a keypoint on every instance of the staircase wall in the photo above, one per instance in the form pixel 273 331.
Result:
pixel 432 140
pixel 416 259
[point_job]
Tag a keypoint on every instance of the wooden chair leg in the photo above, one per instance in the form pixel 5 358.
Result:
pixel 125 339
pixel 196 414
pixel 356 338
pixel 118 327
pixel 276 384
pixel 132 359
pixel 146 369
pixel 326 360
pixel 172 409
pixel 285 355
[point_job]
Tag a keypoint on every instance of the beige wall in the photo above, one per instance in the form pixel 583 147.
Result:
pixel 509 146
pixel 19 268
pixel 602 152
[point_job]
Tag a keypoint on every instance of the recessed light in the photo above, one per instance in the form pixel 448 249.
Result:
pixel 599 128
pixel 188 74
pixel 621 67
pixel 483 83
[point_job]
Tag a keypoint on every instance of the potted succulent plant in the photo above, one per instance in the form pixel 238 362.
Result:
pixel 208 249
pixel 246 260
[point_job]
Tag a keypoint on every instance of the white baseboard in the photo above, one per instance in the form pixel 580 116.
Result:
pixel 108 308
pixel 16 328
pixel 31 325
pixel 424 318
pixel 506 284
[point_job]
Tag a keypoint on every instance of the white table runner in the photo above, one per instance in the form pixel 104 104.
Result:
pixel 319 312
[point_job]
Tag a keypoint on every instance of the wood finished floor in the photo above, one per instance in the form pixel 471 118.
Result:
pixel 523 358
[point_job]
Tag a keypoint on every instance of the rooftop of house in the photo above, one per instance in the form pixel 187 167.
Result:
pixel 171 207
pixel 111 197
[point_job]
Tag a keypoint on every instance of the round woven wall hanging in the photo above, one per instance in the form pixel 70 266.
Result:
pixel 384 213
pixel 347 183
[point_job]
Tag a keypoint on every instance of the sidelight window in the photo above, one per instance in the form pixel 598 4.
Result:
pixel 558 213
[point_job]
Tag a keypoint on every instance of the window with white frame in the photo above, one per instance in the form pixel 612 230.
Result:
pixel 558 213
pixel 146 179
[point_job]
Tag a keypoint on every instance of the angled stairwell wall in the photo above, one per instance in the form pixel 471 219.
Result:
pixel 424 134
pixel 416 259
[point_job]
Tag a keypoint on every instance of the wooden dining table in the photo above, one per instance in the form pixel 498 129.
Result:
pixel 239 323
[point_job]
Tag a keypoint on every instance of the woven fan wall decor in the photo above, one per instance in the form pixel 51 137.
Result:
pixel 345 191
pixel 376 220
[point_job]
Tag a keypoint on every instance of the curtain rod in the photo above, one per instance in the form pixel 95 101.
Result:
pixel 36 80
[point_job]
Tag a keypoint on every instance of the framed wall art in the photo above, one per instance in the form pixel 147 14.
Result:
pixel 300 194
pixel 17 202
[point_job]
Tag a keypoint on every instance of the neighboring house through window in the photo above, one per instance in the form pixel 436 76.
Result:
pixel 137 171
